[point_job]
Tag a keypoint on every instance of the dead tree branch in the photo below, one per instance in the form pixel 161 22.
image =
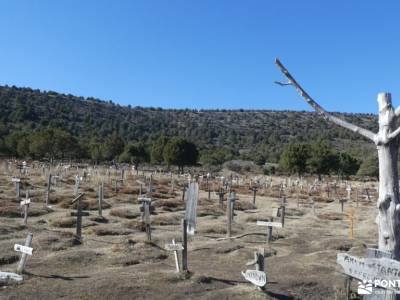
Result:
pixel 291 81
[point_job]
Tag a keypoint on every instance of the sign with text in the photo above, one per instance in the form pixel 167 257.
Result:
pixel 23 249
pixel 25 202
pixel 269 224
pixel 377 270
pixel 258 278
pixel 174 247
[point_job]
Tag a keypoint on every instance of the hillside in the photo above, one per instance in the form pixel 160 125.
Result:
pixel 246 132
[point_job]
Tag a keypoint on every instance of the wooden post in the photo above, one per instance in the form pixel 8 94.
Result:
pixel 269 232
pixel 48 190
pixel 101 189
pixel 78 236
pixel 24 256
pixel 184 242
pixel 229 216
pixel 26 208
pixel 17 187
pixel 176 257
pixel 254 189
pixel 183 193
pixel 282 211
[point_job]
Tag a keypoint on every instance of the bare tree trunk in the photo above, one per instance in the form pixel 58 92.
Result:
pixel 387 143
pixel 388 202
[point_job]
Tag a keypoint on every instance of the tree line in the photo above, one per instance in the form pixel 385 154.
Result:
pixel 320 158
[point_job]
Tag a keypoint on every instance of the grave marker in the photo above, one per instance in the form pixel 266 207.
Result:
pixel 79 214
pixel 175 247
pixel 145 210
pixel 184 251
pixel 25 203
pixel 257 276
pixel 191 207
pixel 254 189
pixel 17 186
pixel 25 250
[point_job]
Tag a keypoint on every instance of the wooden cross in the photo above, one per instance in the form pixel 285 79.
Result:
pixel 17 186
pixel 26 250
pixel 79 214
pixel 25 203
pixel 146 209
pixel 175 248
pixel 254 189
pixel 351 216
pixel 221 193
pixel 342 201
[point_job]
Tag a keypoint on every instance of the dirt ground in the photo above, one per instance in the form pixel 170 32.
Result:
pixel 115 260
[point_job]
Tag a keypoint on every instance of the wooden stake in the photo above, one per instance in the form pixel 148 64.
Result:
pixel 184 242
pixel 22 262
pixel 229 217
pixel 48 190
pixel 176 257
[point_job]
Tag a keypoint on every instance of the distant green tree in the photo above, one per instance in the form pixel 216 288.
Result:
pixel 157 150
pixel 294 158
pixel 180 152
pixel 347 164
pixel 53 143
pixel 215 157
pixel 369 167
pixel 135 153
pixel 112 147
pixel 322 159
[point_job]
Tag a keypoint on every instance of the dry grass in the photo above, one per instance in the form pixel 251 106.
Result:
pixel 65 222
pixel 109 230
pixel 123 212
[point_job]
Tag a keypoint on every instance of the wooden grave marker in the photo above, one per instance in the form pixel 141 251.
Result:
pixel 257 276
pixel 269 226
pixel 17 181
pixel 79 214
pixel 25 203
pixel 191 207
pixel 146 209
pixel 175 247
pixel 25 250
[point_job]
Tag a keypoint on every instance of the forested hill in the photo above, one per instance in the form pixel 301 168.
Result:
pixel 247 133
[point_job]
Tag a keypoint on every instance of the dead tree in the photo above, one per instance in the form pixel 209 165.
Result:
pixel 387 143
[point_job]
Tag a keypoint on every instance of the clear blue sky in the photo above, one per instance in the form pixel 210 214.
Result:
pixel 204 53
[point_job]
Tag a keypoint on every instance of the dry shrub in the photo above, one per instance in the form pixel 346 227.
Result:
pixel 17 211
pixel 323 199
pixel 10 211
pixel 123 212
pixel 210 211
pixel 93 204
pixel 217 229
pixel 164 220
pixel 294 212
pixel 98 219
pixel 243 205
pixel 135 224
pixel 169 205
pixel 129 190
pixel 227 249
pixel 109 230
pixel 65 222
pixel 331 216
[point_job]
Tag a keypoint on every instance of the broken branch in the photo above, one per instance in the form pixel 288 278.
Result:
pixel 291 81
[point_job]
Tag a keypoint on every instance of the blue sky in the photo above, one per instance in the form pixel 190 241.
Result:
pixel 204 53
